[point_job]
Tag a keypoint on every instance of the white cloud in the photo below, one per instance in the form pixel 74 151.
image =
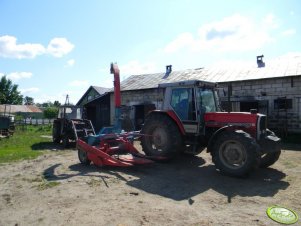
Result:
pixel 183 40
pixel 79 83
pixel 270 21
pixel 59 47
pixel 289 32
pixel 287 58
pixel 61 97
pixel 70 63
pixel 135 67
pixel 15 76
pixel 9 48
pixel 234 33
pixel 30 90
pixel 106 82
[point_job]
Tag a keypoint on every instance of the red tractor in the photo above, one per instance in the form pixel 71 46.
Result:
pixel 191 120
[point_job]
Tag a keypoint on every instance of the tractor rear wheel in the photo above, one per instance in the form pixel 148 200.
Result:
pixel 66 141
pixel 235 153
pixel 83 157
pixel 56 133
pixel 162 136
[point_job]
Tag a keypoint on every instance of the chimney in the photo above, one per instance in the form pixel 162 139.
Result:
pixel 260 62
pixel 168 71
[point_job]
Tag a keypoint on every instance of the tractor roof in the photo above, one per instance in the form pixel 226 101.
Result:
pixel 197 83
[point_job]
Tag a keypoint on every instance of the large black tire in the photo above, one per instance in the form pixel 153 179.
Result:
pixel 235 153
pixel 66 141
pixel 55 133
pixel 269 159
pixel 162 138
pixel 83 157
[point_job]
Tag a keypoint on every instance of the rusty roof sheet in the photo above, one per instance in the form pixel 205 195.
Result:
pixel 280 67
pixel 20 108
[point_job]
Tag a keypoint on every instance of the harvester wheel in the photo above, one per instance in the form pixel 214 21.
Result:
pixel 83 157
pixel 269 159
pixel 235 153
pixel 162 136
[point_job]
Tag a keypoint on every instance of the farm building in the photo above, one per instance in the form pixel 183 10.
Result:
pixel 97 106
pixel 24 111
pixel 273 88
pixel 92 93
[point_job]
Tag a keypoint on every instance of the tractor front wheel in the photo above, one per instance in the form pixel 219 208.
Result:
pixel 161 136
pixel 269 159
pixel 235 153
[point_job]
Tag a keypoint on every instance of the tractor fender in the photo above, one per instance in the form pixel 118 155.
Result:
pixel 218 132
pixel 226 128
pixel 172 115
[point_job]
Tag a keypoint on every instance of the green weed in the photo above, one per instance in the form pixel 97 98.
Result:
pixel 20 145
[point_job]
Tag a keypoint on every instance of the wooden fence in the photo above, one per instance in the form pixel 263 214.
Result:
pixel 34 122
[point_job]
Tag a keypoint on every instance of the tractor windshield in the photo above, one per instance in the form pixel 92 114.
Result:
pixel 70 112
pixel 206 100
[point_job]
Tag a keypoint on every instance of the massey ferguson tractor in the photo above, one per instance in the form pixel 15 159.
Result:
pixel 191 120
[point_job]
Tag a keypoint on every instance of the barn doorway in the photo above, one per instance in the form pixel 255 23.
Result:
pixel 140 113
pixel 260 105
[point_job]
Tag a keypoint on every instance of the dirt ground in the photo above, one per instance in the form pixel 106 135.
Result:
pixel 55 189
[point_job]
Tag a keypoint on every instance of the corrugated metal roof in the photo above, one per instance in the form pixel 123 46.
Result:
pixel 20 108
pixel 281 67
pixel 101 90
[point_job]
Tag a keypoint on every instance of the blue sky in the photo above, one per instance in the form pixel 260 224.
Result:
pixel 53 48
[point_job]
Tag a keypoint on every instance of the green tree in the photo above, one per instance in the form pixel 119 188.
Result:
pixel 56 103
pixel 9 92
pixel 28 100
pixel 51 112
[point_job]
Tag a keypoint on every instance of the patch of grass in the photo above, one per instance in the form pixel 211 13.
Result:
pixel 43 183
pixel 36 179
pixel 47 184
pixel 19 146
pixel 94 183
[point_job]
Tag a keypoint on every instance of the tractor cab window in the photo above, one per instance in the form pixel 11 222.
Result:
pixel 206 100
pixel 70 113
pixel 182 103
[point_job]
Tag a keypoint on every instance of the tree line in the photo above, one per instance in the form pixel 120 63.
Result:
pixel 9 94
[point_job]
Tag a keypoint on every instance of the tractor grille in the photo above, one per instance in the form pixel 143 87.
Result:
pixel 262 123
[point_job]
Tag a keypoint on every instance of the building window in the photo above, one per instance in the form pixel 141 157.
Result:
pixel 283 103
pixel 89 97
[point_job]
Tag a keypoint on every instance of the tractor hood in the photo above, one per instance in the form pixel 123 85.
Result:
pixel 239 119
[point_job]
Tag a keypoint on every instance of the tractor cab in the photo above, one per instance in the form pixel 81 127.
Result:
pixel 70 112
pixel 190 100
